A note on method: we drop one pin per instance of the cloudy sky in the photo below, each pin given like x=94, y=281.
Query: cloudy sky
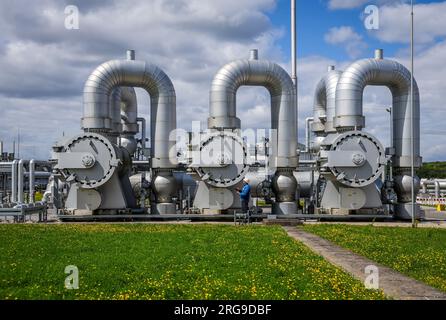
x=43, y=65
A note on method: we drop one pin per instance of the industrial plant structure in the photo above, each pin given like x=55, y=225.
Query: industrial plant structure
x=105, y=170
x=346, y=171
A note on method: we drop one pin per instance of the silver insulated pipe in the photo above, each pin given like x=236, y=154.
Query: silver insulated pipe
x=325, y=102
x=381, y=72
x=277, y=81
x=21, y=182
x=349, y=116
x=129, y=111
x=14, y=179
x=125, y=112
x=129, y=73
x=32, y=178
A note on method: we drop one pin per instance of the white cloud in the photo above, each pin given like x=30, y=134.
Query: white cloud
x=345, y=36
x=352, y=4
x=346, y=4
x=430, y=23
x=44, y=66
x=429, y=73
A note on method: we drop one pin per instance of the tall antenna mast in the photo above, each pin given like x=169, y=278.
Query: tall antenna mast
x=293, y=43
x=294, y=50
x=412, y=142
x=18, y=143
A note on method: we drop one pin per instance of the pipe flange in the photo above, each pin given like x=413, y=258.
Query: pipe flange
x=368, y=156
x=223, y=157
x=99, y=167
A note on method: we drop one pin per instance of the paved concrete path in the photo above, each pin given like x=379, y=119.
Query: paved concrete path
x=392, y=283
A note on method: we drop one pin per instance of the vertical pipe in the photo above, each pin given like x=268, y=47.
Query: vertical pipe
x=254, y=54
x=181, y=201
x=143, y=133
x=307, y=133
x=20, y=180
x=392, y=145
x=32, y=170
x=437, y=189
x=15, y=165
x=131, y=55
x=412, y=157
x=379, y=54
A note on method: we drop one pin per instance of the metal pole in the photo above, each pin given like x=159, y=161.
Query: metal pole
x=412, y=114
x=294, y=50
x=293, y=42
x=18, y=143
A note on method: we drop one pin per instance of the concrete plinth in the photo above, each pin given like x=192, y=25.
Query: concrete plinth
x=163, y=208
x=284, y=208
x=403, y=211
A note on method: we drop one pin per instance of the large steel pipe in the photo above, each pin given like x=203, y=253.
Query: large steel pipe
x=125, y=111
x=129, y=73
x=14, y=175
x=97, y=116
x=324, y=106
x=325, y=102
x=32, y=178
x=20, y=182
x=276, y=80
x=381, y=72
x=349, y=116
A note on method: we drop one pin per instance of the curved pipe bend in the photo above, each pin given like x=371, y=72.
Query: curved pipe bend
x=381, y=72
x=129, y=73
x=283, y=103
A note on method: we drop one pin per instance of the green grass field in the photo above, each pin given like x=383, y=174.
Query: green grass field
x=419, y=253
x=144, y=261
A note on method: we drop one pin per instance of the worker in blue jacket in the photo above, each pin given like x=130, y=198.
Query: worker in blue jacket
x=245, y=195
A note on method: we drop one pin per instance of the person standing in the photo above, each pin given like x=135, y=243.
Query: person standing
x=245, y=195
